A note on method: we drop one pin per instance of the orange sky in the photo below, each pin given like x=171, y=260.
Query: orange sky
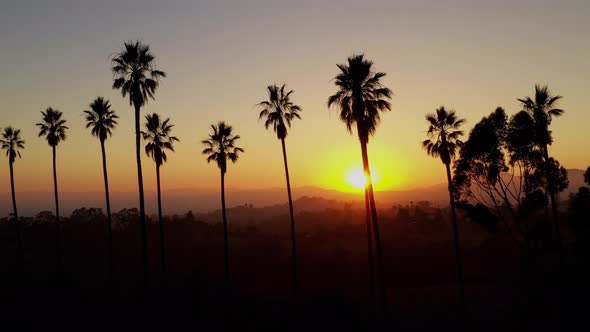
x=471, y=56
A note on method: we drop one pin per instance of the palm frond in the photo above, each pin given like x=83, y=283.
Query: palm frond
x=361, y=97
x=220, y=146
x=443, y=134
x=158, y=138
x=278, y=110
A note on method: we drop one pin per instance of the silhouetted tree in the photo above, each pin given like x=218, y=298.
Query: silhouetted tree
x=443, y=142
x=499, y=168
x=219, y=147
x=552, y=175
x=102, y=120
x=579, y=209
x=495, y=172
x=135, y=74
x=542, y=109
x=360, y=99
x=53, y=128
x=88, y=215
x=278, y=112
x=12, y=142
x=158, y=140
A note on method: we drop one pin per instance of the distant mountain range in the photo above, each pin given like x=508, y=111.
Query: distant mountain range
x=180, y=201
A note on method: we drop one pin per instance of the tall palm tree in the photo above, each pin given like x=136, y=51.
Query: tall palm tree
x=219, y=147
x=279, y=111
x=158, y=140
x=12, y=142
x=360, y=99
x=542, y=109
x=101, y=120
x=135, y=74
x=443, y=142
x=53, y=128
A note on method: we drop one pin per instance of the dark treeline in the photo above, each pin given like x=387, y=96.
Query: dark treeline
x=503, y=286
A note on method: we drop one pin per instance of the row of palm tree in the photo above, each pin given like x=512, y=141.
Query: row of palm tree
x=360, y=99
x=102, y=120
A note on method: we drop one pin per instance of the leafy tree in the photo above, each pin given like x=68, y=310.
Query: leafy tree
x=101, y=120
x=219, y=148
x=443, y=142
x=484, y=176
x=158, y=140
x=500, y=168
x=135, y=74
x=278, y=112
x=54, y=128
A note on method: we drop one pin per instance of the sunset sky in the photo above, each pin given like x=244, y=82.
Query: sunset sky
x=469, y=55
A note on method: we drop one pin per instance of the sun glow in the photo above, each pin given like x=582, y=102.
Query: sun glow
x=357, y=179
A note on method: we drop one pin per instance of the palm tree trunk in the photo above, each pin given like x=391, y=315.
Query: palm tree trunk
x=293, y=234
x=553, y=201
x=19, y=242
x=108, y=202
x=58, y=244
x=225, y=237
x=458, y=257
x=370, y=257
x=375, y=222
x=161, y=223
x=142, y=221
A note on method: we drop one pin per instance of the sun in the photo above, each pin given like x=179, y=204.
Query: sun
x=357, y=179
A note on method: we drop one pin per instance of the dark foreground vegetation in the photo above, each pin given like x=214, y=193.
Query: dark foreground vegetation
x=506, y=286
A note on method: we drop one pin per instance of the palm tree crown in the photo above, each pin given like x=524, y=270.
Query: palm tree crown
x=278, y=110
x=11, y=141
x=361, y=96
x=53, y=127
x=220, y=146
x=158, y=138
x=100, y=118
x=542, y=109
x=443, y=134
x=135, y=73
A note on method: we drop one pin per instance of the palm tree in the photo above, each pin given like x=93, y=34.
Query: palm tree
x=102, y=120
x=53, y=127
x=279, y=111
x=443, y=142
x=12, y=142
x=542, y=109
x=135, y=74
x=219, y=147
x=360, y=99
x=157, y=136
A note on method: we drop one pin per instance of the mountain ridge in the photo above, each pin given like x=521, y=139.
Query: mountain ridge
x=181, y=200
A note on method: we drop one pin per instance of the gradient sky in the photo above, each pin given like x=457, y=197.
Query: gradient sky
x=471, y=56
